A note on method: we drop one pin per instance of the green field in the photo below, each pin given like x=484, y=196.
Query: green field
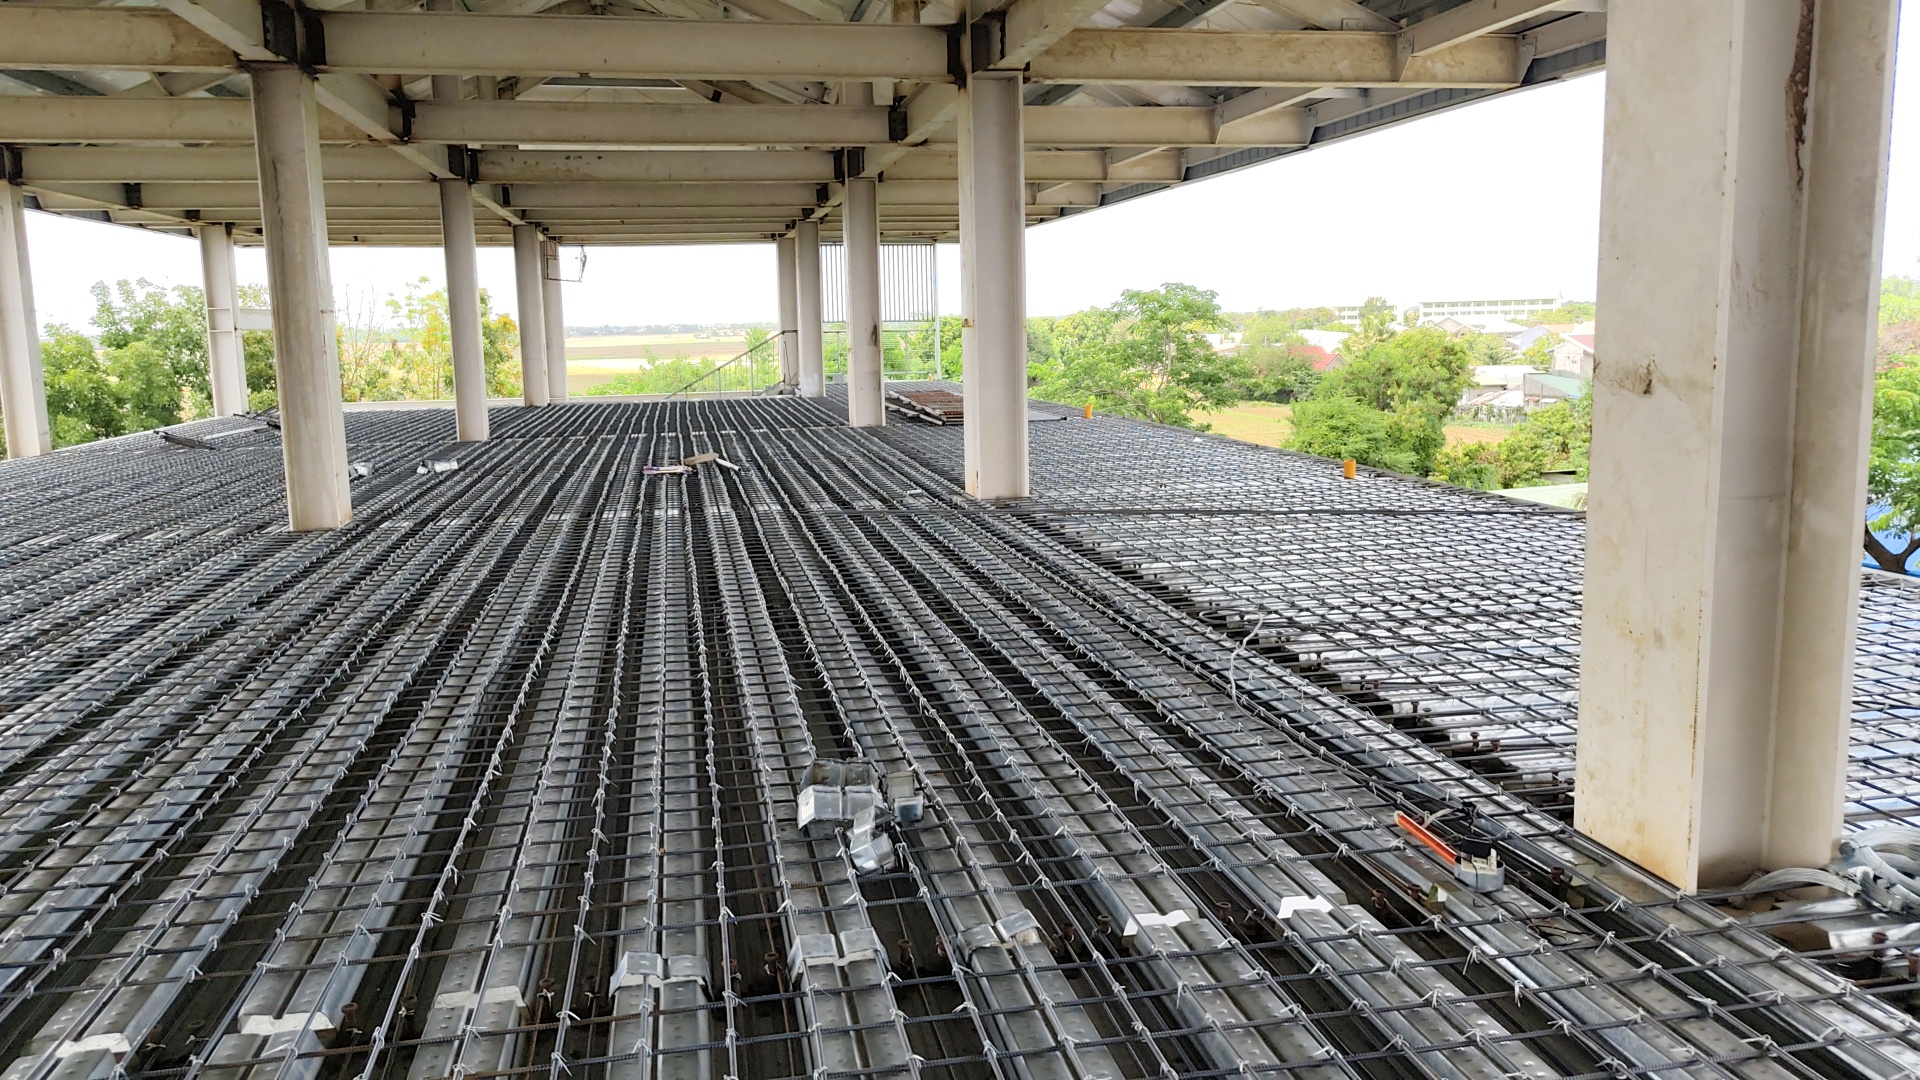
x=594, y=360
x=1268, y=424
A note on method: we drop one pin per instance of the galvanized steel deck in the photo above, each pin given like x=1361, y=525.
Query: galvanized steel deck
x=419, y=798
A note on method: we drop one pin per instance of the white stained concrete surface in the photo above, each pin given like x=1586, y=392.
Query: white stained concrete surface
x=23, y=390
x=806, y=255
x=313, y=435
x=1739, y=266
x=994, y=285
x=530, y=293
x=789, y=345
x=463, y=311
x=226, y=359
x=866, y=402
x=554, y=319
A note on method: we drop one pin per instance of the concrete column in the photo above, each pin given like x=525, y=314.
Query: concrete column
x=226, y=361
x=555, y=321
x=866, y=403
x=313, y=436
x=806, y=279
x=532, y=298
x=789, y=344
x=23, y=388
x=993, y=261
x=463, y=312
x=1738, y=291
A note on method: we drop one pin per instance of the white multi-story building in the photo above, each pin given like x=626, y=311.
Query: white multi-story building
x=1464, y=310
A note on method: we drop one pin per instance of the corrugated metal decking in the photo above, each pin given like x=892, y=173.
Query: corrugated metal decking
x=504, y=778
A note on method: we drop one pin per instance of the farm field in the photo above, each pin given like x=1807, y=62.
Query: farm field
x=665, y=346
x=1269, y=424
x=603, y=358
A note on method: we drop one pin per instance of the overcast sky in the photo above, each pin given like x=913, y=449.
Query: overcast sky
x=1497, y=199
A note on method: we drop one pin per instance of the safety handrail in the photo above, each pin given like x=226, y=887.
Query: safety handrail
x=715, y=371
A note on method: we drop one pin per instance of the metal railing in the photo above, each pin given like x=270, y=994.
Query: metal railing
x=748, y=379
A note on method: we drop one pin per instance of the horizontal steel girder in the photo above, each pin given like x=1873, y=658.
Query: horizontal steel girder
x=449, y=43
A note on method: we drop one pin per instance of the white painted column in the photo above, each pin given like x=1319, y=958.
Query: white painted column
x=993, y=261
x=463, y=312
x=313, y=436
x=1738, y=291
x=532, y=298
x=555, y=321
x=806, y=265
x=226, y=360
x=866, y=403
x=23, y=388
x=789, y=343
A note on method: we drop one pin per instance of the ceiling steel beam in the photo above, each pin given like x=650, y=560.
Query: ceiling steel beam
x=547, y=196
x=1469, y=21
x=430, y=43
x=670, y=166
x=128, y=40
x=1031, y=27
x=153, y=165
x=237, y=26
x=451, y=43
x=604, y=124
x=58, y=165
x=143, y=120
x=1303, y=59
x=601, y=123
x=1332, y=14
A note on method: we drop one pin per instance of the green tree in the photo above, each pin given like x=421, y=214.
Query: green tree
x=1279, y=365
x=82, y=402
x=1470, y=465
x=1573, y=311
x=1539, y=355
x=409, y=354
x=1376, y=324
x=1146, y=355
x=146, y=385
x=1899, y=300
x=1278, y=373
x=1893, y=465
x=1487, y=348
x=1553, y=439
x=256, y=347
x=1338, y=427
x=1413, y=378
x=918, y=345
x=171, y=322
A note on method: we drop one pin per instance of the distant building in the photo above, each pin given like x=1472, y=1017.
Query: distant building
x=1326, y=340
x=1485, y=325
x=1467, y=310
x=1494, y=324
x=1574, y=355
x=1321, y=358
x=1545, y=388
x=1503, y=376
x=1226, y=342
x=1524, y=340
x=1496, y=392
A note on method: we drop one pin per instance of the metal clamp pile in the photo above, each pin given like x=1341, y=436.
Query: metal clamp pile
x=849, y=795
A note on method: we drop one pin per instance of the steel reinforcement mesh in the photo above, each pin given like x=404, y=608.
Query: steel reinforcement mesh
x=506, y=777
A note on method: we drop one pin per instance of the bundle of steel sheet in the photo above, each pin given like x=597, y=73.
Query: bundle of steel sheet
x=548, y=765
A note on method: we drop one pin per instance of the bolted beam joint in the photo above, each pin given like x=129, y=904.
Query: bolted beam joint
x=294, y=32
x=987, y=41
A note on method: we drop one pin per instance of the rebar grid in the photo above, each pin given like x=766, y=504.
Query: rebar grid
x=419, y=797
